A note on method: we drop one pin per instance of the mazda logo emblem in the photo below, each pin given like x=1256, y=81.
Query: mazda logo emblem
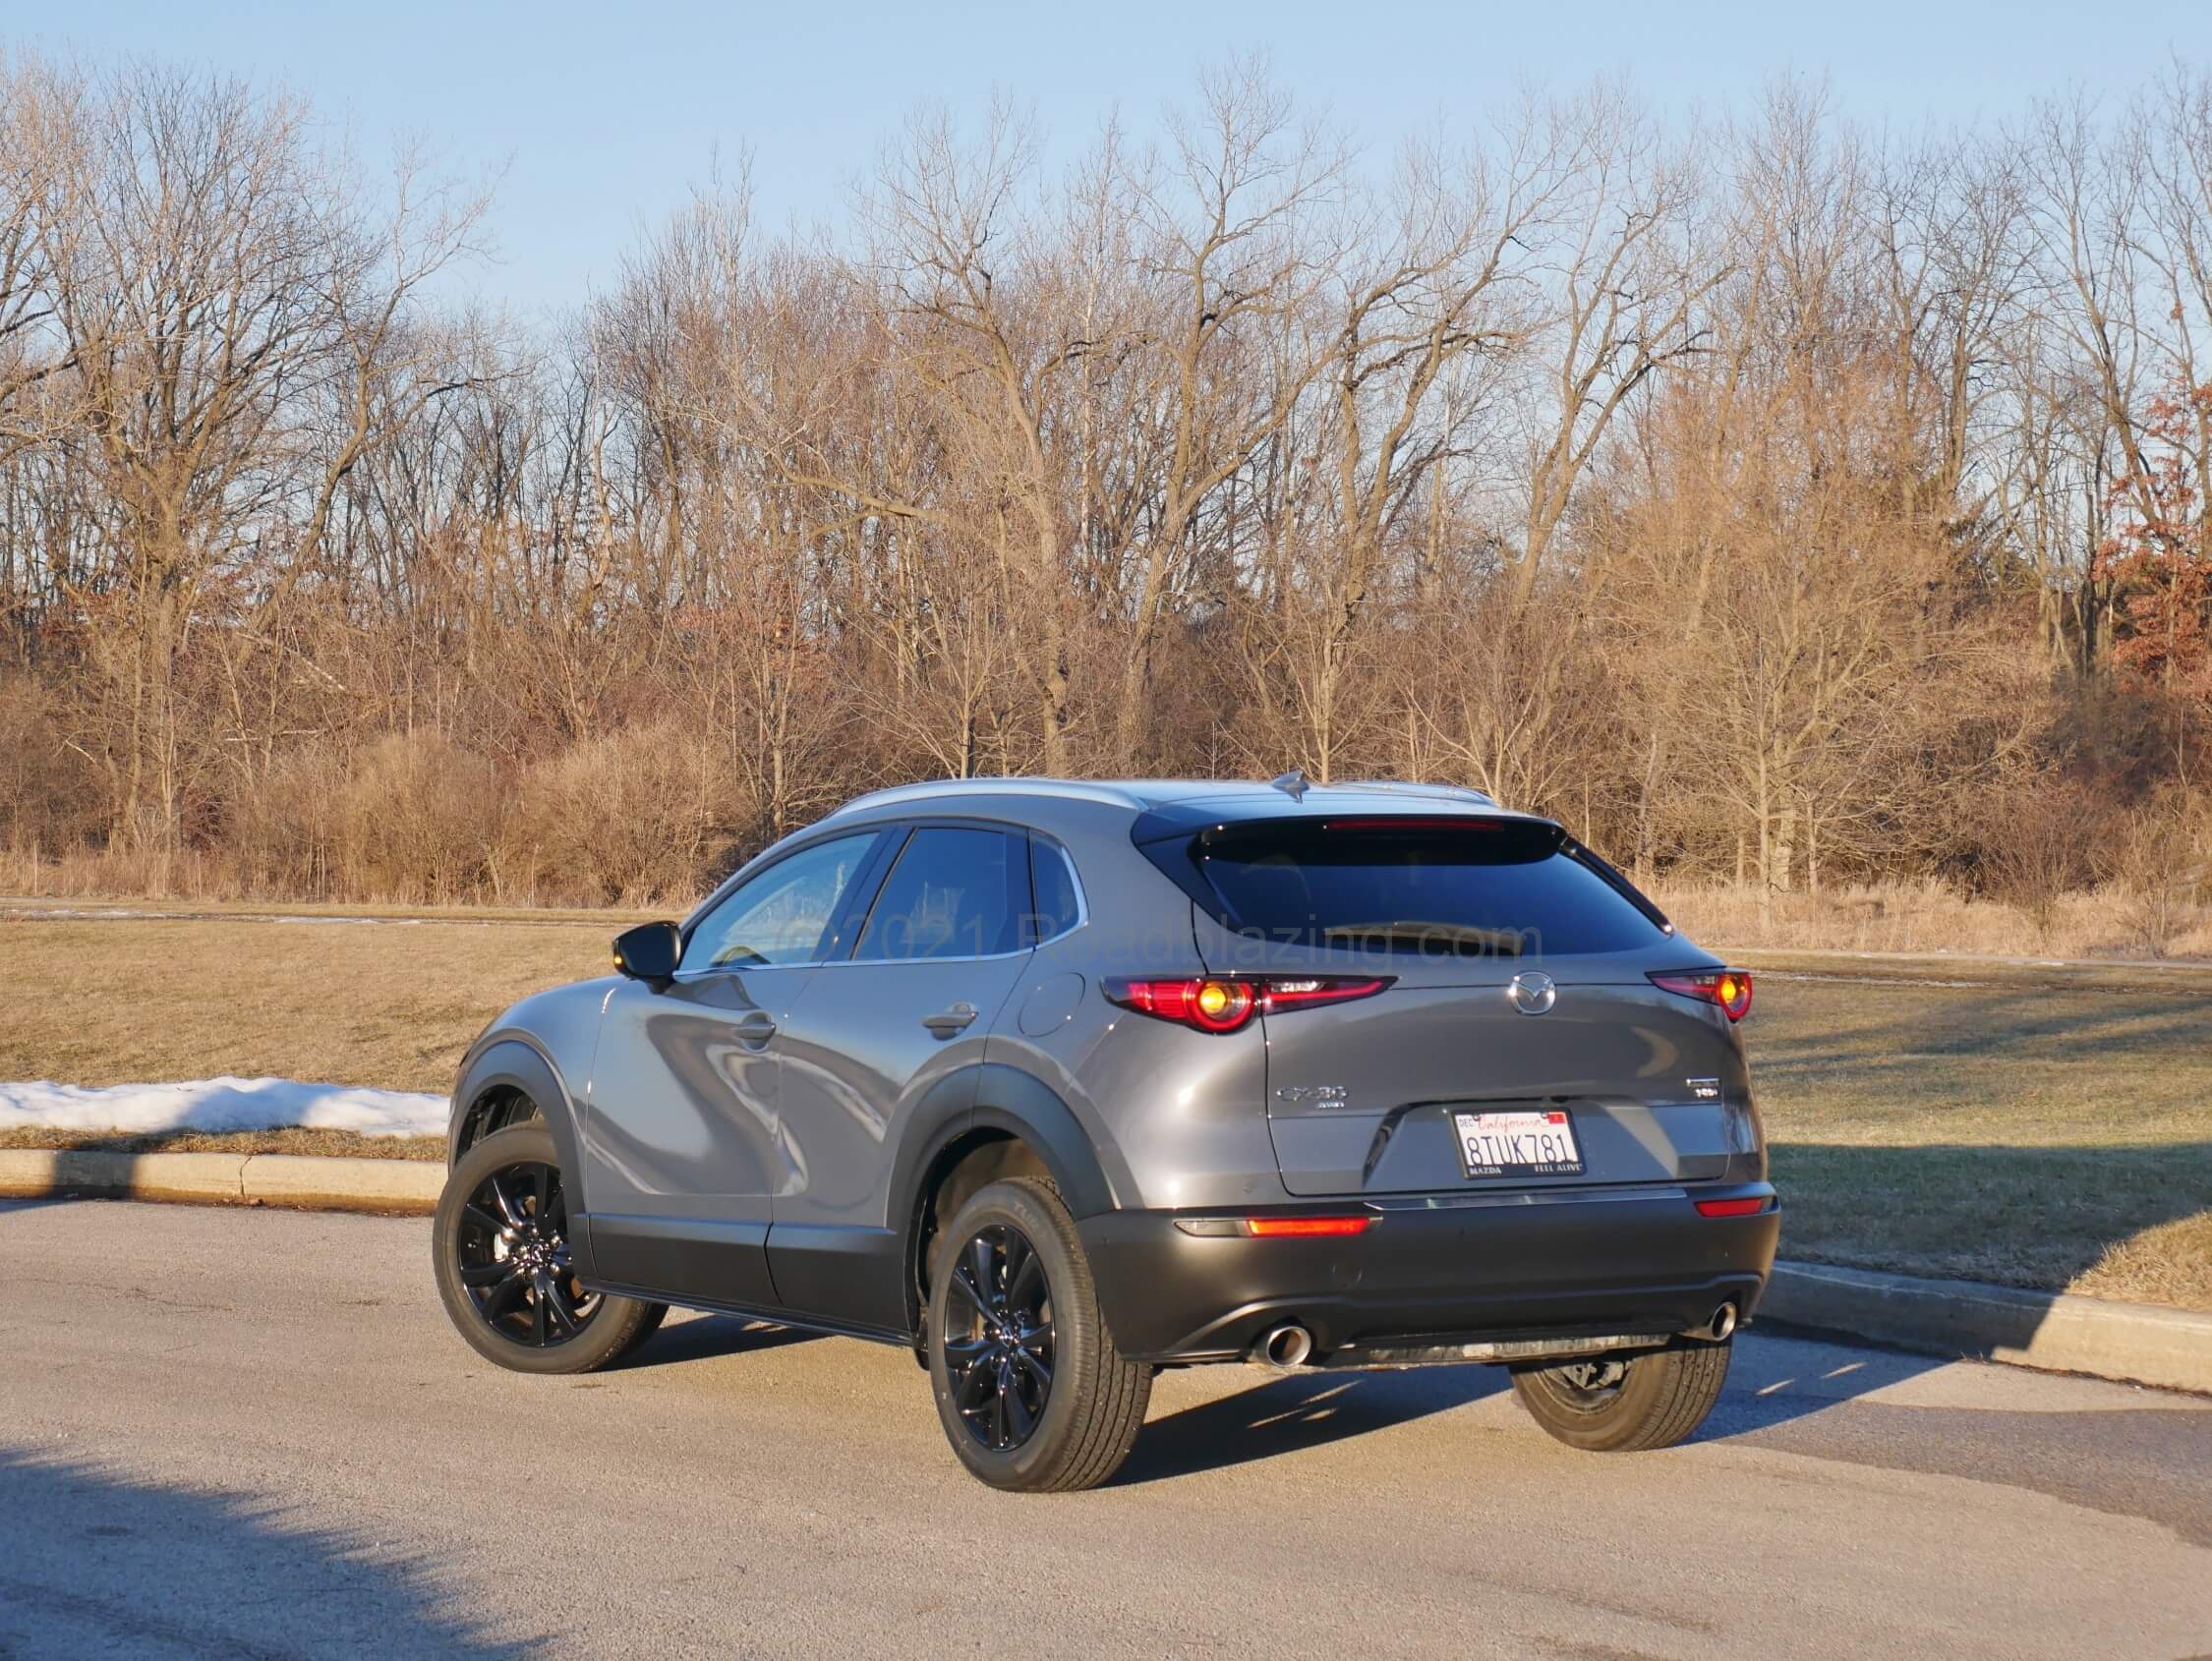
x=1533, y=994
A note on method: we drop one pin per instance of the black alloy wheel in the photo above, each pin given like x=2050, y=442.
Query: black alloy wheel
x=503, y=1250
x=513, y=1251
x=1587, y=1386
x=1035, y=1395
x=1000, y=1345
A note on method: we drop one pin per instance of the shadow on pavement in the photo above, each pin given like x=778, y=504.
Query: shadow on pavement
x=1785, y=1394
x=706, y=1337
x=1287, y=1414
x=2125, y=1452
x=94, y=1562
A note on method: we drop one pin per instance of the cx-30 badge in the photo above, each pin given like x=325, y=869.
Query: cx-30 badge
x=1533, y=994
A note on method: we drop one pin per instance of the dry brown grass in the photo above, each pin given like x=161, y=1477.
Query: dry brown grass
x=2169, y=1264
x=385, y=1004
x=2038, y=1128
x=103, y=907
x=330, y=1144
x=1921, y=917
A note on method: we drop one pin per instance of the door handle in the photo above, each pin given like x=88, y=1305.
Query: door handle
x=755, y=1029
x=950, y=1022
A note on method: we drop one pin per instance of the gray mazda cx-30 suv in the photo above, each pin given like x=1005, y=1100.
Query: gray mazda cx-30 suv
x=1058, y=1083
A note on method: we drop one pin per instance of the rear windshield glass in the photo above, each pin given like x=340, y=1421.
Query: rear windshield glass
x=1478, y=888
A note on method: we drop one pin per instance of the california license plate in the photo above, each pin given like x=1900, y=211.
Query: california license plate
x=1518, y=1144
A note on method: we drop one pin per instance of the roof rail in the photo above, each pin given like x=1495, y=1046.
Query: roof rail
x=1067, y=789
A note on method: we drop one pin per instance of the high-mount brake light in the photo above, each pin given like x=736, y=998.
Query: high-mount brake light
x=1729, y=988
x=1404, y=822
x=1220, y=1003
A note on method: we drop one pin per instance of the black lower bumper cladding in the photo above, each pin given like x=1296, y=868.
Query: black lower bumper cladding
x=1433, y=1276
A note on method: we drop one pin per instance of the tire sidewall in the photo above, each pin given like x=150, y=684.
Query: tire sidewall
x=1076, y=1336
x=1624, y=1422
x=612, y=1326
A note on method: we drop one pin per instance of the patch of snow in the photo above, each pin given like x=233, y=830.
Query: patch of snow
x=221, y=1104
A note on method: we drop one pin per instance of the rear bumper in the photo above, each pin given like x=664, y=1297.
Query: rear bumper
x=1437, y=1267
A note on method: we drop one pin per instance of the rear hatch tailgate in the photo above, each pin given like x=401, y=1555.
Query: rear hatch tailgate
x=1421, y=1089
x=1519, y=1041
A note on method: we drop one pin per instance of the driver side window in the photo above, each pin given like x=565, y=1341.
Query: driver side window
x=781, y=915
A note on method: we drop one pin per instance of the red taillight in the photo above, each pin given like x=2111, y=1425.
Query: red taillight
x=1306, y=1228
x=1213, y=1003
x=1288, y=992
x=1731, y=1207
x=1210, y=1006
x=1730, y=989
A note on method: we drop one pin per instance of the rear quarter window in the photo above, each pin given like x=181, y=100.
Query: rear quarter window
x=1056, y=902
x=1478, y=888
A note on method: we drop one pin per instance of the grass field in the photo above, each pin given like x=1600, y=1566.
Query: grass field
x=2042, y=1126
x=391, y=1004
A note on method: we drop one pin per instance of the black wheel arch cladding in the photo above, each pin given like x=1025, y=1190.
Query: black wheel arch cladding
x=991, y=1097
x=511, y=1062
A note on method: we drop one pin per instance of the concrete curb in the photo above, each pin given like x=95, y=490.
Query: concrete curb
x=406, y=1187
x=2060, y=1332
x=2140, y=1343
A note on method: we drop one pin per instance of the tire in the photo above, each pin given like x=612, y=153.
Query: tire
x=1658, y=1399
x=501, y=1273
x=1077, y=1430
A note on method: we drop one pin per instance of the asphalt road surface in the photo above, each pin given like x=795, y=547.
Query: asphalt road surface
x=246, y=1433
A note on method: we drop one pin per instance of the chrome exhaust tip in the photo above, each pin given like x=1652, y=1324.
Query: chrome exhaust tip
x=1286, y=1345
x=1723, y=1321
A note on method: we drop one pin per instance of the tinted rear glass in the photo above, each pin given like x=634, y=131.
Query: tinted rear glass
x=1053, y=883
x=952, y=895
x=1482, y=888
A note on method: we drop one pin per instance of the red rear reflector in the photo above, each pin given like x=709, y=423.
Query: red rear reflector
x=1731, y=1207
x=1276, y=1228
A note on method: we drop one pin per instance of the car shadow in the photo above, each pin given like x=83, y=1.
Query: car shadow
x=1780, y=1372
x=1775, y=1376
x=708, y=1338
x=1297, y=1412
x=96, y=1561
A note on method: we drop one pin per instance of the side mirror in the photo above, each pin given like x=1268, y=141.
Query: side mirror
x=650, y=951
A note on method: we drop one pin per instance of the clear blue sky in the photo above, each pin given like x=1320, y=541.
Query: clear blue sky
x=603, y=115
